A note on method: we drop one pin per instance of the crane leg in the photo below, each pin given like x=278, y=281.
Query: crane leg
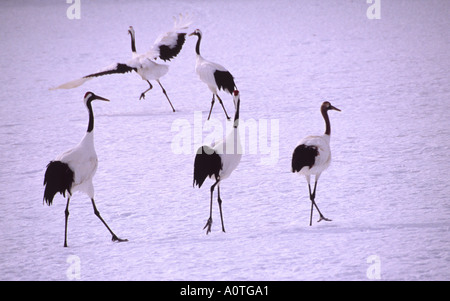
x=209, y=222
x=220, y=100
x=312, y=197
x=212, y=104
x=164, y=91
x=219, y=200
x=114, y=236
x=143, y=93
x=66, y=213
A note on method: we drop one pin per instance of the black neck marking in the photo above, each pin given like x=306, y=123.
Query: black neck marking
x=133, y=43
x=197, y=47
x=236, y=115
x=91, y=116
x=327, y=121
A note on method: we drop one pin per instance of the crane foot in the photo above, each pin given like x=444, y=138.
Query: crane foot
x=323, y=218
x=208, y=225
x=115, y=238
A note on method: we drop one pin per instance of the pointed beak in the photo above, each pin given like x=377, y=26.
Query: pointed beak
x=192, y=33
x=101, y=98
x=334, y=108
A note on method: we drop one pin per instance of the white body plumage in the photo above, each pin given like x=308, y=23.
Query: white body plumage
x=83, y=161
x=205, y=70
x=322, y=160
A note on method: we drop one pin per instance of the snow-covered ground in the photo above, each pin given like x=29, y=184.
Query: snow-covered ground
x=386, y=190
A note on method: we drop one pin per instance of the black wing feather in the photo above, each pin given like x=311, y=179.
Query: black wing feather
x=58, y=178
x=166, y=53
x=207, y=163
x=304, y=155
x=225, y=81
x=120, y=69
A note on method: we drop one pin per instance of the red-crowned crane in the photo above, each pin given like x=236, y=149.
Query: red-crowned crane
x=313, y=155
x=215, y=76
x=166, y=47
x=219, y=162
x=74, y=169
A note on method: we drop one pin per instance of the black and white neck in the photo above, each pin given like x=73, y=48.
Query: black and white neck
x=326, y=106
x=237, y=103
x=133, y=42
x=197, y=33
x=91, y=116
x=88, y=98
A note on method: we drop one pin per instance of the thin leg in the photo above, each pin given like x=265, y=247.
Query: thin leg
x=114, y=236
x=220, y=100
x=212, y=104
x=312, y=204
x=66, y=212
x=312, y=197
x=164, y=91
x=143, y=93
x=219, y=200
x=209, y=222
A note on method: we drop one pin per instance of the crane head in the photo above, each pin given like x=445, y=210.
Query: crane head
x=131, y=31
x=196, y=32
x=90, y=96
x=326, y=106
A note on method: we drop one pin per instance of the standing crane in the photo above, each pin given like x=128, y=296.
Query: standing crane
x=166, y=47
x=74, y=169
x=219, y=162
x=313, y=155
x=215, y=76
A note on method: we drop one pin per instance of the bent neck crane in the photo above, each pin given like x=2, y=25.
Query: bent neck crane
x=313, y=155
x=166, y=47
x=215, y=76
x=74, y=169
x=219, y=162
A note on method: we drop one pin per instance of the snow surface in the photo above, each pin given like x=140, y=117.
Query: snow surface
x=386, y=190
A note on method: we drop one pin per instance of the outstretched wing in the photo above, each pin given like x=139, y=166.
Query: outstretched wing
x=168, y=45
x=207, y=163
x=117, y=68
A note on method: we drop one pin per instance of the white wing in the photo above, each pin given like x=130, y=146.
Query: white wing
x=168, y=45
x=82, y=159
x=205, y=70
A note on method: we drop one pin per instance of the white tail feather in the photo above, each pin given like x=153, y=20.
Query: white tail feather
x=72, y=84
x=183, y=22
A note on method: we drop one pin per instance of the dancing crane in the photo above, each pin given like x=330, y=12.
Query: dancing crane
x=313, y=155
x=74, y=169
x=166, y=47
x=214, y=75
x=219, y=161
